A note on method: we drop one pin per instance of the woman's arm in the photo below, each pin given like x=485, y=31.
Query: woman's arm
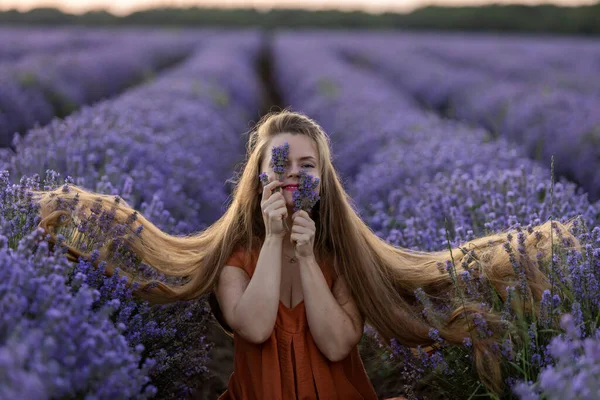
x=252, y=311
x=335, y=322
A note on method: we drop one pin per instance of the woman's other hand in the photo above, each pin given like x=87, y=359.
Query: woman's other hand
x=303, y=234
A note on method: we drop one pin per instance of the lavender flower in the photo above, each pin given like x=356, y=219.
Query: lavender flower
x=305, y=197
x=576, y=374
x=279, y=159
x=264, y=178
x=279, y=162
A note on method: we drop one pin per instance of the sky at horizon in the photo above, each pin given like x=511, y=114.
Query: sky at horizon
x=123, y=7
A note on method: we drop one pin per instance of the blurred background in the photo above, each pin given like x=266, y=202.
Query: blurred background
x=497, y=84
x=568, y=16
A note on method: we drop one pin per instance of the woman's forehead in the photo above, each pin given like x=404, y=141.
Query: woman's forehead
x=300, y=145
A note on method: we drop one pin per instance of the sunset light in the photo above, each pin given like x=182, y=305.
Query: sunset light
x=124, y=7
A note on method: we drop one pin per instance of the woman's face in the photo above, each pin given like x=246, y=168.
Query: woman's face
x=302, y=155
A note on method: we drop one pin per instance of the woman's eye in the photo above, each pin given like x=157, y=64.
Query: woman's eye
x=308, y=165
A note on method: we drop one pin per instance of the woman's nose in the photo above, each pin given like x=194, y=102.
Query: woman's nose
x=293, y=169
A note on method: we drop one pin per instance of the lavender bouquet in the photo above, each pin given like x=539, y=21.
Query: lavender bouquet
x=306, y=196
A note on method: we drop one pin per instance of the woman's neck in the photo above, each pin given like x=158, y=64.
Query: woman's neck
x=287, y=245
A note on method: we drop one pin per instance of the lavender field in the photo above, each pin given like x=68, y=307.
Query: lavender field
x=438, y=140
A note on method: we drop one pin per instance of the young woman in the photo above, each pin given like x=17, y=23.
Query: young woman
x=296, y=301
x=296, y=323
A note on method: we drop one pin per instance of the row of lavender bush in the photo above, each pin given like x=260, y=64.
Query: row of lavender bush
x=348, y=103
x=19, y=42
x=68, y=331
x=408, y=160
x=551, y=112
x=38, y=87
x=563, y=62
x=381, y=139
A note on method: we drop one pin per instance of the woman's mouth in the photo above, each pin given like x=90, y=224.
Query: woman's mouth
x=291, y=188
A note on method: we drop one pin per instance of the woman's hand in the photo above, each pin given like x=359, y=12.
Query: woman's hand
x=274, y=209
x=303, y=233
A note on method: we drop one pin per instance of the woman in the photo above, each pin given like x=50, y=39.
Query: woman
x=297, y=311
x=296, y=325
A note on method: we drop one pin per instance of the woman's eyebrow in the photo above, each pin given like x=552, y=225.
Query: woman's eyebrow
x=308, y=158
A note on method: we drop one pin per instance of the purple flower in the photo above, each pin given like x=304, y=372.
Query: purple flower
x=546, y=308
x=576, y=372
x=305, y=197
x=279, y=159
x=264, y=178
x=481, y=326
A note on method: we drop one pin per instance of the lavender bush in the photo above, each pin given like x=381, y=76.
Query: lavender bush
x=525, y=349
x=576, y=373
x=465, y=184
x=547, y=106
x=173, y=336
x=20, y=42
x=118, y=146
x=57, y=339
x=418, y=180
x=352, y=106
x=157, y=333
x=38, y=87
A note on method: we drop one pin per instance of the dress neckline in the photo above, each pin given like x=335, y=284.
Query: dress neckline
x=288, y=308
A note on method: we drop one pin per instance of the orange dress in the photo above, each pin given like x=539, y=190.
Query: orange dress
x=289, y=365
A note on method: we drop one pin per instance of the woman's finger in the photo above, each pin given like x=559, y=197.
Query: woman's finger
x=272, y=207
x=304, y=222
x=272, y=197
x=268, y=189
x=301, y=229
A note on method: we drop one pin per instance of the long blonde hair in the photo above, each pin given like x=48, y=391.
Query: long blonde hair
x=383, y=278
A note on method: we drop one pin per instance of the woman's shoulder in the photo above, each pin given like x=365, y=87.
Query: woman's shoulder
x=241, y=257
x=326, y=263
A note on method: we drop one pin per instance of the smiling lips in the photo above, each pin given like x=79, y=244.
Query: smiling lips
x=291, y=187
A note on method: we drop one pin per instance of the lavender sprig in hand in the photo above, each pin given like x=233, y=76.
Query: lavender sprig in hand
x=305, y=197
x=279, y=161
x=264, y=179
